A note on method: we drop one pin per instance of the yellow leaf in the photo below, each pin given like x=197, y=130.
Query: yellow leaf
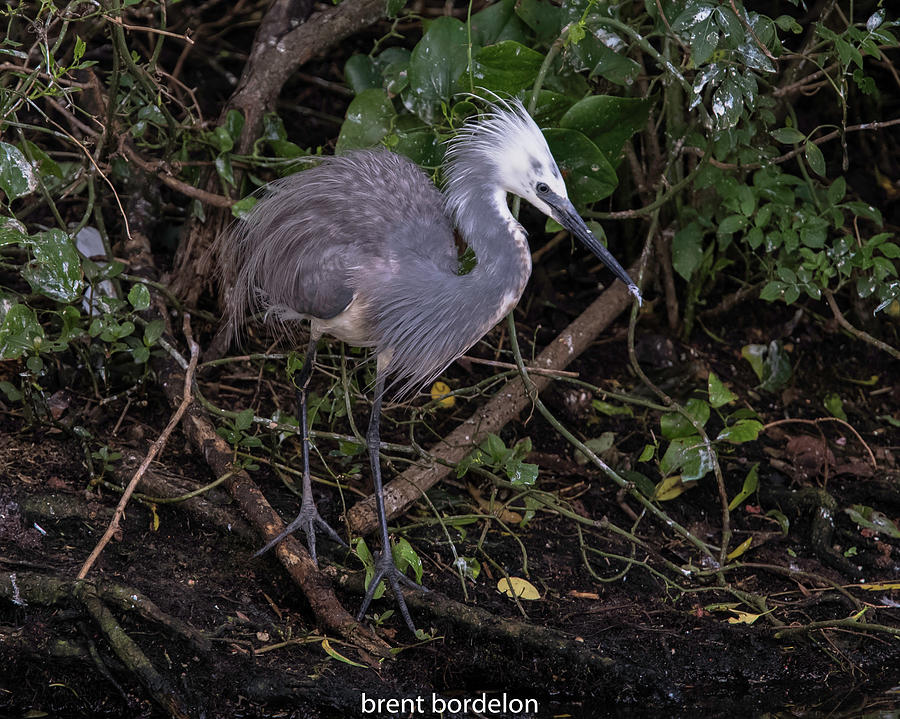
x=518, y=587
x=335, y=654
x=440, y=391
x=670, y=488
x=880, y=587
x=743, y=618
x=740, y=549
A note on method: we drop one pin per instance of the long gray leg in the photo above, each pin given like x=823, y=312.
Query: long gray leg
x=384, y=560
x=308, y=519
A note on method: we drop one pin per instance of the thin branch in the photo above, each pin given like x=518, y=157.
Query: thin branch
x=859, y=334
x=155, y=449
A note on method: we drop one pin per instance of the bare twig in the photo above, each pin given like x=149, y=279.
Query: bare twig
x=858, y=333
x=160, y=170
x=155, y=449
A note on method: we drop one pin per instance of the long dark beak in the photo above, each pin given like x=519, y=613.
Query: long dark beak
x=565, y=214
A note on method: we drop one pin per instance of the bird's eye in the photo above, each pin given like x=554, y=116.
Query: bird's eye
x=542, y=188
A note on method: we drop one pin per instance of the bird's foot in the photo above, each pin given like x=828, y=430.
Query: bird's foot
x=309, y=520
x=386, y=569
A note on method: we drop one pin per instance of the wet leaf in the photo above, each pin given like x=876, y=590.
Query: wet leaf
x=242, y=207
x=139, y=297
x=815, y=158
x=744, y=430
x=498, y=22
x=869, y=518
x=518, y=587
x=17, y=177
x=20, y=330
x=437, y=62
x=698, y=25
x=589, y=176
x=369, y=118
x=405, y=557
x=56, y=268
x=690, y=455
x=507, y=67
x=543, y=17
x=361, y=74
x=675, y=424
x=607, y=121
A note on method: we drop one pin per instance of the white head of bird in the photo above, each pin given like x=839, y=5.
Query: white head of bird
x=504, y=151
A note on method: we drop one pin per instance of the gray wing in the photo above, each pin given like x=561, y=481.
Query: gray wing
x=297, y=252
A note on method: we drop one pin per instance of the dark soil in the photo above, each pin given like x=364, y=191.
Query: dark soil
x=642, y=644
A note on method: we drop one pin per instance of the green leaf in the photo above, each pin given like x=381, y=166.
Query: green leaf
x=688, y=454
x=872, y=519
x=153, y=331
x=244, y=420
x=139, y=297
x=405, y=557
x=647, y=453
x=835, y=406
x=234, y=124
x=507, y=67
x=675, y=425
x=788, y=135
x=589, y=175
x=20, y=330
x=697, y=24
x=544, y=18
x=751, y=482
x=719, y=394
x=687, y=250
x=394, y=7
x=437, y=62
x=224, y=168
x=732, y=224
x=242, y=207
x=837, y=190
x=815, y=158
x=361, y=74
x=11, y=392
x=56, y=269
x=607, y=121
x=744, y=430
x=17, y=177
x=755, y=355
x=498, y=22
x=597, y=445
x=369, y=119
x=611, y=410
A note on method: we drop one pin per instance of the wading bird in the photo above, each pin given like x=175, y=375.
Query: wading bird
x=363, y=247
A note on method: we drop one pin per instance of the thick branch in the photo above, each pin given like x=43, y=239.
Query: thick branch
x=502, y=408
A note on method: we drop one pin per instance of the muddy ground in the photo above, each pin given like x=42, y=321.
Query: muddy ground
x=646, y=643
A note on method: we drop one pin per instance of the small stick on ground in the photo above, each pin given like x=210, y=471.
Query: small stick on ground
x=155, y=449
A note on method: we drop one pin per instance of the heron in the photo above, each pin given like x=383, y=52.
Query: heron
x=362, y=246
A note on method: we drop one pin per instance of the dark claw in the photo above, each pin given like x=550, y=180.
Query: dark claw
x=308, y=520
x=386, y=569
